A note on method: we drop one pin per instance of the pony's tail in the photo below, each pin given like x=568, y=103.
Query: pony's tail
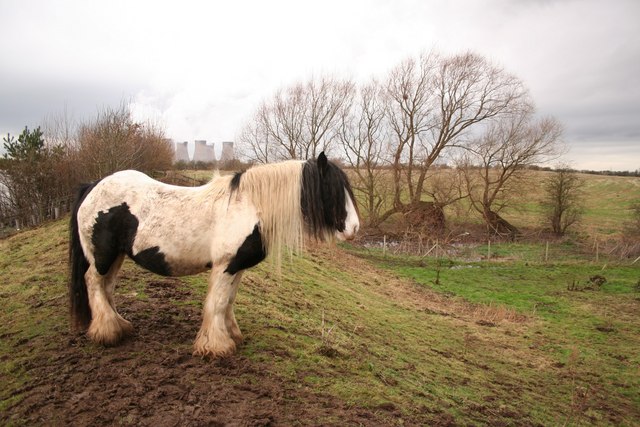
x=78, y=297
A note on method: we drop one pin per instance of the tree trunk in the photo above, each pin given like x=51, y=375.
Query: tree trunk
x=499, y=226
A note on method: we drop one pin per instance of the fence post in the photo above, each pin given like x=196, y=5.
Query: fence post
x=546, y=253
x=384, y=246
x=489, y=249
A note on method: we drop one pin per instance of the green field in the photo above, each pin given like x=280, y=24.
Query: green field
x=412, y=341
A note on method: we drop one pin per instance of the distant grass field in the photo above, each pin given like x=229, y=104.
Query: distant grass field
x=607, y=203
x=500, y=342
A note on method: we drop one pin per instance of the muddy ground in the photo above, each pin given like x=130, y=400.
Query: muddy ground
x=152, y=379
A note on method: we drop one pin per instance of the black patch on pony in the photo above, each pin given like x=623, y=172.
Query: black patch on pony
x=113, y=235
x=323, y=197
x=235, y=181
x=250, y=253
x=153, y=260
x=78, y=297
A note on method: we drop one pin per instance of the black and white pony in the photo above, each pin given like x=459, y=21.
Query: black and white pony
x=227, y=225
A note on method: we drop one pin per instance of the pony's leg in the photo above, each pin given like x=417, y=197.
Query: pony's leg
x=230, y=318
x=109, y=287
x=107, y=327
x=213, y=339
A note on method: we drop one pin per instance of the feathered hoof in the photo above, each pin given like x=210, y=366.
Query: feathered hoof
x=224, y=348
x=109, y=332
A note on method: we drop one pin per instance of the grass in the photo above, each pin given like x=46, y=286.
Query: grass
x=501, y=342
x=31, y=280
x=590, y=332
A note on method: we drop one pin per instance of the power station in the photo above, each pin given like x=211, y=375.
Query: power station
x=227, y=152
x=203, y=152
x=181, y=154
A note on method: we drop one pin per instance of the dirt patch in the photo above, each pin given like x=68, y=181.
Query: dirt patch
x=152, y=379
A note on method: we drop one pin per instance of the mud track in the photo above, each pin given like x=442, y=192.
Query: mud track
x=152, y=379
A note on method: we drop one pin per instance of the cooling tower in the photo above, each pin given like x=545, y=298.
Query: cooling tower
x=181, y=154
x=203, y=152
x=227, y=152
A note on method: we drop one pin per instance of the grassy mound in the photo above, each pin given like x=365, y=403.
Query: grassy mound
x=337, y=338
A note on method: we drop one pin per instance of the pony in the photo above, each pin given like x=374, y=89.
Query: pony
x=226, y=226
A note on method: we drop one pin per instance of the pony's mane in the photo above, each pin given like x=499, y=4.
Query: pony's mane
x=274, y=189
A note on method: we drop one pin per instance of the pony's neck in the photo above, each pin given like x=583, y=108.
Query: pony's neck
x=274, y=190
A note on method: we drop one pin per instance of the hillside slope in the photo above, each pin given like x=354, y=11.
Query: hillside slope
x=332, y=341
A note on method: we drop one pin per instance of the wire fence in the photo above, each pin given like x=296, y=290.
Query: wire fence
x=14, y=220
x=467, y=248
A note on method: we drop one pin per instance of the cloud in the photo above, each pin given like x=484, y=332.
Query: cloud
x=28, y=102
x=605, y=155
x=202, y=67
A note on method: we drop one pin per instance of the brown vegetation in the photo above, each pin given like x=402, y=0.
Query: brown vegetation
x=41, y=169
x=114, y=141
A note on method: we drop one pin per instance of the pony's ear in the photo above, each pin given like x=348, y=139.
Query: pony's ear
x=323, y=162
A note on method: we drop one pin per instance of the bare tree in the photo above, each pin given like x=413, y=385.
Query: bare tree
x=494, y=161
x=363, y=135
x=433, y=104
x=61, y=137
x=410, y=107
x=255, y=142
x=425, y=109
x=326, y=97
x=298, y=122
x=284, y=122
x=562, y=201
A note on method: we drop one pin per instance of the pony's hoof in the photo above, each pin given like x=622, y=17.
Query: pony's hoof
x=109, y=333
x=106, y=338
x=215, y=352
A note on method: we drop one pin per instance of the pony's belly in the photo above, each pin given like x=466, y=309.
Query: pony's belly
x=154, y=260
x=171, y=264
x=168, y=257
x=189, y=270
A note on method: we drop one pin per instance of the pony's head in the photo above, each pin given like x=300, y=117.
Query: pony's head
x=327, y=202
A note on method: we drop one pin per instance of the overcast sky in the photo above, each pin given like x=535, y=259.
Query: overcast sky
x=201, y=68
